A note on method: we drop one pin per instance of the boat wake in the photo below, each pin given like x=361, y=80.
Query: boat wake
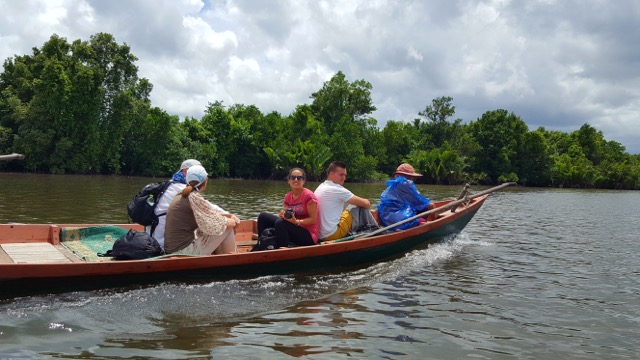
x=204, y=303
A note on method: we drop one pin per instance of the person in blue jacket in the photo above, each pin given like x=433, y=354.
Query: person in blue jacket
x=401, y=199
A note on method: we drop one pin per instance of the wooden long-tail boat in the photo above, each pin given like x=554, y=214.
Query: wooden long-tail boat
x=38, y=258
x=12, y=156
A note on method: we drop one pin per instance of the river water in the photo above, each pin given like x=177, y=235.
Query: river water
x=537, y=274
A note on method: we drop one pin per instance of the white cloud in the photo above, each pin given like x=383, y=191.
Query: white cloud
x=202, y=36
x=555, y=64
x=243, y=71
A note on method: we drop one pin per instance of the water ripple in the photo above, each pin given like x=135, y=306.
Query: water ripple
x=537, y=274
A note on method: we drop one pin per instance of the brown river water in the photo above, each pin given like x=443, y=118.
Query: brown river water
x=537, y=274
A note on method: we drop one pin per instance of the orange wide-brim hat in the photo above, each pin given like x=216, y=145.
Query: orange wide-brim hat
x=406, y=169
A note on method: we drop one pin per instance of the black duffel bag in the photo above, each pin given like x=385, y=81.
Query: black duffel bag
x=267, y=240
x=135, y=245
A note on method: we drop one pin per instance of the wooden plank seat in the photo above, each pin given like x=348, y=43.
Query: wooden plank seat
x=35, y=252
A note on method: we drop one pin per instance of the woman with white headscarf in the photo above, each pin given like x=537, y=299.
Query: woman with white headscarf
x=194, y=225
x=178, y=183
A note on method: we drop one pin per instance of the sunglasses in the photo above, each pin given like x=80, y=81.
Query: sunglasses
x=294, y=177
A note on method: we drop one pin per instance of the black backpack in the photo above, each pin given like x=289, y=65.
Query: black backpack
x=141, y=209
x=134, y=245
x=267, y=240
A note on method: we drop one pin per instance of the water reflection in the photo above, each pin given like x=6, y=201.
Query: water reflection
x=186, y=321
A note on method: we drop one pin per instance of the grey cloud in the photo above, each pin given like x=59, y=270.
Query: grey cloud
x=149, y=28
x=555, y=64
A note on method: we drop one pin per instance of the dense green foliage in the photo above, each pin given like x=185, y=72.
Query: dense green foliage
x=80, y=108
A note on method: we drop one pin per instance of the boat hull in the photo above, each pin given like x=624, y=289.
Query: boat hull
x=28, y=278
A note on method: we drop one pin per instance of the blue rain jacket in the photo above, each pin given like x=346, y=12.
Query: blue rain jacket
x=399, y=201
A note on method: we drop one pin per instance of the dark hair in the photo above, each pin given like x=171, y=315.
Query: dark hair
x=299, y=169
x=190, y=187
x=334, y=165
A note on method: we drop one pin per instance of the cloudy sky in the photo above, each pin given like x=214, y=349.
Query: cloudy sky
x=555, y=63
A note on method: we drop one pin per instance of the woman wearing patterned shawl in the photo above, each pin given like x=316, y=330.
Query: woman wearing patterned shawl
x=194, y=225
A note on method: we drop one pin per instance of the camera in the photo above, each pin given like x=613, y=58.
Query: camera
x=288, y=213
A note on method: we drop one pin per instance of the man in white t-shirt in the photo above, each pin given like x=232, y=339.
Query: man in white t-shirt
x=178, y=183
x=333, y=198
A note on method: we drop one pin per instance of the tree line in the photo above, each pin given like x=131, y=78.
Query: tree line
x=80, y=108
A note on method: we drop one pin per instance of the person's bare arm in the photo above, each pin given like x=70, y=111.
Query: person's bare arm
x=358, y=201
x=312, y=210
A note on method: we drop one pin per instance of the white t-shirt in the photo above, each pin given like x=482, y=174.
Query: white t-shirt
x=332, y=200
x=162, y=207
